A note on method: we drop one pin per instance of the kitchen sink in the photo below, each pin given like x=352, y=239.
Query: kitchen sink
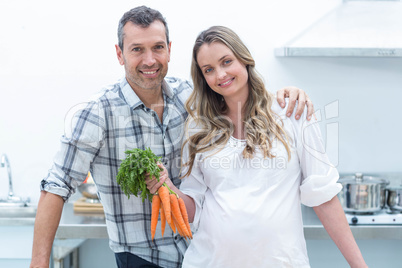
x=17, y=210
x=13, y=207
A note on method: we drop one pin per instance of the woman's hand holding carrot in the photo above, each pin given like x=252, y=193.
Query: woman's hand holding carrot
x=153, y=185
x=167, y=201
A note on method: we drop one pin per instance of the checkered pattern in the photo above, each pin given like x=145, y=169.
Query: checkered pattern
x=97, y=135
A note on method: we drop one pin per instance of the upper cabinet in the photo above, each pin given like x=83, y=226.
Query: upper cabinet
x=353, y=29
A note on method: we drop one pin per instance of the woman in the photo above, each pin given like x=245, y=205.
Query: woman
x=248, y=168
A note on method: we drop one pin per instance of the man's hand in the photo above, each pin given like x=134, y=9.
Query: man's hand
x=294, y=93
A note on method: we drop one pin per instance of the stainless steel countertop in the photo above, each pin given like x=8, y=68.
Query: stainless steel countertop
x=81, y=225
x=74, y=225
x=17, y=221
x=88, y=226
x=313, y=228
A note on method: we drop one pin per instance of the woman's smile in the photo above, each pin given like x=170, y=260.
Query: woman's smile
x=226, y=83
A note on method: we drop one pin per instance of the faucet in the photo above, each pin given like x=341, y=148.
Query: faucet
x=6, y=163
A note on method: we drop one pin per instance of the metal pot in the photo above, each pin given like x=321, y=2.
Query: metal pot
x=394, y=198
x=88, y=190
x=362, y=194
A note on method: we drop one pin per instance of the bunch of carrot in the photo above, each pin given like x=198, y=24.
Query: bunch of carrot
x=172, y=210
x=133, y=171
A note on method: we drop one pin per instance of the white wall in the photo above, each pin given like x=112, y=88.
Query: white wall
x=55, y=54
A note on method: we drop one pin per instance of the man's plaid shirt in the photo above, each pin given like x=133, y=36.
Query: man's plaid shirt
x=97, y=135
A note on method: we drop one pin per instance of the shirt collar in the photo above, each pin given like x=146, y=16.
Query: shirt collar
x=133, y=100
x=167, y=90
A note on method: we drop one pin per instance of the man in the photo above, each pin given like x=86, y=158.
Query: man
x=144, y=109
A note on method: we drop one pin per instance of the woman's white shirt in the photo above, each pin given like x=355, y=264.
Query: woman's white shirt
x=248, y=211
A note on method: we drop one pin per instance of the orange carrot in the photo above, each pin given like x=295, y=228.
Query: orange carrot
x=173, y=225
x=179, y=230
x=183, y=211
x=156, y=203
x=164, y=195
x=177, y=214
x=163, y=220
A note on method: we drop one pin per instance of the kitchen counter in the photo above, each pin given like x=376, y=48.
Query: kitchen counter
x=17, y=221
x=81, y=225
x=87, y=226
x=73, y=225
x=313, y=228
x=93, y=226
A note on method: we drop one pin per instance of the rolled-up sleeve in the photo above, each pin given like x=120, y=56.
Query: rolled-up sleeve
x=319, y=183
x=79, y=145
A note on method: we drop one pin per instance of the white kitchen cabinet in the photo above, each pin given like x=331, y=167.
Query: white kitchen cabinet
x=16, y=246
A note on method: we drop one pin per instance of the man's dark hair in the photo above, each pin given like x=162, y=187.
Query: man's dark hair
x=142, y=16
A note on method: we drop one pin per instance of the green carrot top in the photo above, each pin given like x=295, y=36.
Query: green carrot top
x=131, y=174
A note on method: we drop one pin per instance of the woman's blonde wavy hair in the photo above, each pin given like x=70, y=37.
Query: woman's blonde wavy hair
x=206, y=108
